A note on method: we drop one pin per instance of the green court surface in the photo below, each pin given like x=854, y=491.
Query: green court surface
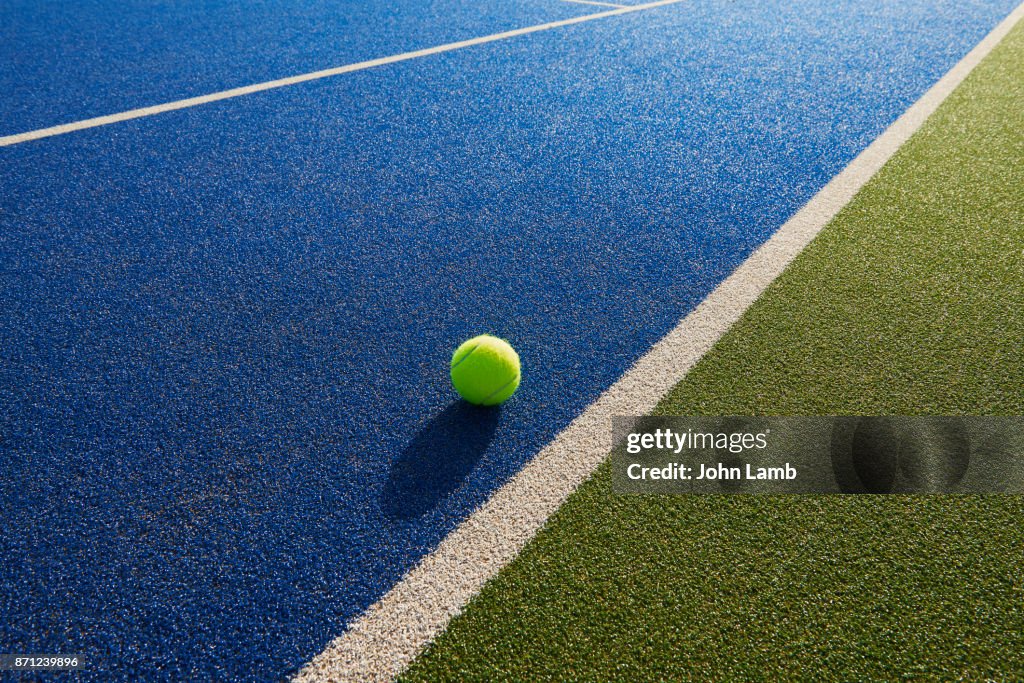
x=908, y=303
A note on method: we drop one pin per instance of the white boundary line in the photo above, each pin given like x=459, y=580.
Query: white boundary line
x=381, y=643
x=313, y=76
x=593, y=2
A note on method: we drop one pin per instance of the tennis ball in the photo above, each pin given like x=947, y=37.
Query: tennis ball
x=485, y=370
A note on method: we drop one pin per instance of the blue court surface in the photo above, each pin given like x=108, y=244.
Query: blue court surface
x=226, y=425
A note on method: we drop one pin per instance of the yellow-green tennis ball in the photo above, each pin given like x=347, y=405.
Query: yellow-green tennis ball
x=485, y=370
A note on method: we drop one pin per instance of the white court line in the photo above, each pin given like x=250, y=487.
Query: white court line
x=315, y=75
x=592, y=2
x=386, y=638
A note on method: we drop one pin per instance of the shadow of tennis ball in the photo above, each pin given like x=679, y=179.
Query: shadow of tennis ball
x=865, y=454
x=934, y=455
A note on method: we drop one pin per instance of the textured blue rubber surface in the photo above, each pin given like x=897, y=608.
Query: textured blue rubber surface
x=67, y=61
x=225, y=420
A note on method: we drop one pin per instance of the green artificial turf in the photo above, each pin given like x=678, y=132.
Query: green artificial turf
x=910, y=302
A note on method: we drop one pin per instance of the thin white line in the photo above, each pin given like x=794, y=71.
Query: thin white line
x=381, y=643
x=592, y=2
x=313, y=76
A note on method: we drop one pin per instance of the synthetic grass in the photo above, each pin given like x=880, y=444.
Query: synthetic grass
x=908, y=303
